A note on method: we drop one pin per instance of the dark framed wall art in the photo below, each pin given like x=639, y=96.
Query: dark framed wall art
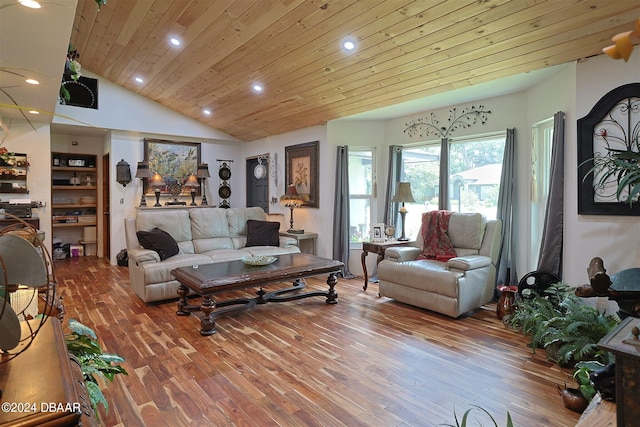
x=174, y=161
x=301, y=170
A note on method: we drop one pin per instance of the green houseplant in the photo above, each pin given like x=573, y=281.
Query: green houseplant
x=82, y=342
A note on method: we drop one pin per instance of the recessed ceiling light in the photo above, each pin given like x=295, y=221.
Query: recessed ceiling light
x=32, y=81
x=349, y=44
x=206, y=112
x=257, y=87
x=34, y=112
x=32, y=4
x=174, y=41
x=139, y=80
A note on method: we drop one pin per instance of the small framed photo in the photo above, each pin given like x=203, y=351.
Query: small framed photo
x=377, y=233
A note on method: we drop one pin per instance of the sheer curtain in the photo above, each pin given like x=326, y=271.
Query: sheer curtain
x=341, y=211
x=507, y=212
x=550, y=258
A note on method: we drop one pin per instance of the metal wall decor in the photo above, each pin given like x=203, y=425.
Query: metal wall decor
x=430, y=125
x=224, y=190
x=609, y=139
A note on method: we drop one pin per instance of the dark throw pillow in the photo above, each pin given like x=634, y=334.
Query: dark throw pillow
x=160, y=241
x=263, y=233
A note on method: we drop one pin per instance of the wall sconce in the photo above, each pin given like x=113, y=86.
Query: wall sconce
x=203, y=174
x=123, y=173
x=403, y=194
x=143, y=173
x=192, y=184
x=292, y=200
x=157, y=183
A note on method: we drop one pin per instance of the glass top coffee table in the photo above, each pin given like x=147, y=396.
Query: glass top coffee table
x=207, y=280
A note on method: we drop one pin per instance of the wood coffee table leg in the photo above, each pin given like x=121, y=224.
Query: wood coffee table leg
x=332, y=296
x=207, y=322
x=183, y=291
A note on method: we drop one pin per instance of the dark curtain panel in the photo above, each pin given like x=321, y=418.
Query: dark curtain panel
x=507, y=212
x=393, y=176
x=341, y=211
x=443, y=183
x=550, y=259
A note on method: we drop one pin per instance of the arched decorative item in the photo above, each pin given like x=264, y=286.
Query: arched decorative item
x=224, y=190
x=608, y=152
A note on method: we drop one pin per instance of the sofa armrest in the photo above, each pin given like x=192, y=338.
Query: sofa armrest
x=401, y=253
x=288, y=242
x=470, y=262
x=141, y=255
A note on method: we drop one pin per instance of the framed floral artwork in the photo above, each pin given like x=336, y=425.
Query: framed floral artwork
x=301, y=170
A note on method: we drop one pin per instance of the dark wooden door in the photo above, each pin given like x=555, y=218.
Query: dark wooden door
x=257, y=185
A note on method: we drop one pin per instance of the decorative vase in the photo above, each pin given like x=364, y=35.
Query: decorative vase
x=573, y=399
x=506, y=301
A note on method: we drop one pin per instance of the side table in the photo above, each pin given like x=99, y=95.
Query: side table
x=376, y=248
x=307, y=242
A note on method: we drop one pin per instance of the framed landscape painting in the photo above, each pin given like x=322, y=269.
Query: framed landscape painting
x=301, y=170
x=174, y=161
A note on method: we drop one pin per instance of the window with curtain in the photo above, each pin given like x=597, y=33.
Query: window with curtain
x=475, y=166
x=361, y=192
x=540, y=176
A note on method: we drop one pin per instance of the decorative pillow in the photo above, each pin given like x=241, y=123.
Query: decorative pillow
x=160, y=241
x=263, y=233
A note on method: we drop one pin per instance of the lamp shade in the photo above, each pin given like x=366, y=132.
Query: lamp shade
x=157, y=181
x=291, y=198
x=192, y=182
x=143, y=170
x=403, y=193
x=203, y=171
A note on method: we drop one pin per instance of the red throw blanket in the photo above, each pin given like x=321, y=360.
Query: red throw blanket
x=434, y=233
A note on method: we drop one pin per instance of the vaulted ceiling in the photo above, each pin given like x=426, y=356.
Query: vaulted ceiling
x=405, y=50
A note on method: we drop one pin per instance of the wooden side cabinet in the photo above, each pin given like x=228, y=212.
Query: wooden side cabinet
x=42, y=386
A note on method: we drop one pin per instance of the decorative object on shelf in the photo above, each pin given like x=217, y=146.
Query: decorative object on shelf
x=224, y=191
x=75, y=179
x=301, y=170
x=157, y=183
x=123, y=173
x=174, y=161
x=292, y=200
x=430, y=125
x=143, y=172
x=24, y=280
x=390, y=231
x=176, y=191
x=402, y=195
x=13, y=172
x=623, y=43
x=192, y=184
x=608, y=152
x=203, y=174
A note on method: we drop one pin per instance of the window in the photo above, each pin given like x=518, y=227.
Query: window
x=540, y=177
x=361, y=192
x=475, y=167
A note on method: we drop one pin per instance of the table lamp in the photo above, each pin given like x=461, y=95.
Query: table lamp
x=192, y=184
x=291, y=199
x=143, y=173
x=402, y=195
x=156, y=183
x=203, y=174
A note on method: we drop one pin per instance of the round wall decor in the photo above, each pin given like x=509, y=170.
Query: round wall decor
x=224, y=191
x=260, y=171
x=225, y=172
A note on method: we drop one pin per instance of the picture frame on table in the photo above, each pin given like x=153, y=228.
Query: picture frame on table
x=301, y=170
x=175, y=161
x=377, y=233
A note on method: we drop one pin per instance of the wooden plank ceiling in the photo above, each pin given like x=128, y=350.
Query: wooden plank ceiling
x=405, y=50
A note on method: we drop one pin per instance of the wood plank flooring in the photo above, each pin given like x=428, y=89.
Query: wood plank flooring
x=367, y=361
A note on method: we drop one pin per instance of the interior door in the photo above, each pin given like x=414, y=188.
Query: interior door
x=106, y=233
x=258, y=182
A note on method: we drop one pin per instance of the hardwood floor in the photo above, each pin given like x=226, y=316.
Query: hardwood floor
x=367, y=361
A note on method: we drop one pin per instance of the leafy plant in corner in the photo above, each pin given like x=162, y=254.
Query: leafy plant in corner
x=82, y=342
x=582, y=376
x=465, y=418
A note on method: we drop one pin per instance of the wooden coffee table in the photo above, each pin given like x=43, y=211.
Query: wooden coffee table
x=209, y=279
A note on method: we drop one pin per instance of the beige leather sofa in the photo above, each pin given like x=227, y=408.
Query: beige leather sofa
x=455, y=287
x=204, y=235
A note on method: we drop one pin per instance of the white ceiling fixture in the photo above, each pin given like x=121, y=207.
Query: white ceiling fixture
x=206, y=112
x=257, y=87
x=175, y=41
x=31, y=4
x=349, y=44
x=139, y=80
x=32, y=81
